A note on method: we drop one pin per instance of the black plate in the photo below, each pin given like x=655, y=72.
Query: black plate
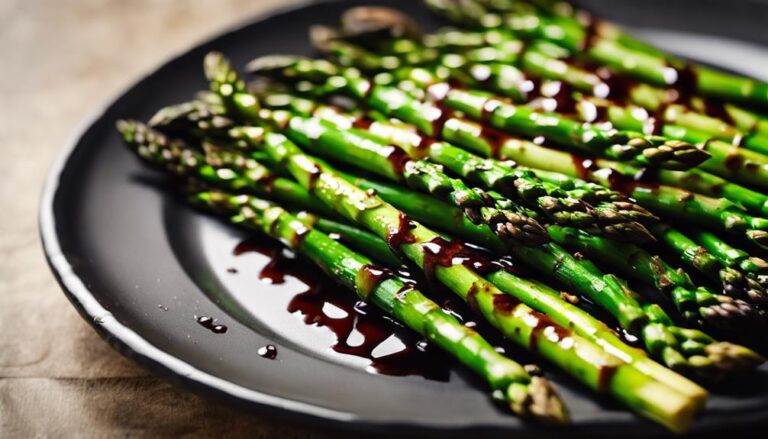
x=139, y=266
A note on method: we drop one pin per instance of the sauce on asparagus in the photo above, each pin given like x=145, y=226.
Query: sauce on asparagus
x=360, y=329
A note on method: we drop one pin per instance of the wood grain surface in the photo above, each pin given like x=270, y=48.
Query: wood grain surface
x=60, y=60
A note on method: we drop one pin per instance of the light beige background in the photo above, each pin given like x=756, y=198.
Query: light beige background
x=58, y=61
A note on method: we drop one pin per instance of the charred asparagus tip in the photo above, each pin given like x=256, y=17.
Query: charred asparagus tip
x=729, y=312
x=759, y=237
x=536, y=400
x=545, y=405
x=371, y=20
x=732, y=358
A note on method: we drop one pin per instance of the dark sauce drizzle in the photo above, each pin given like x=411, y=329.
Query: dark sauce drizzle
x=625, y=184
x=362, y=327
x=440, y=252
x=398, y=158
x=402, y=235
x=372, y=328
x=681, y=91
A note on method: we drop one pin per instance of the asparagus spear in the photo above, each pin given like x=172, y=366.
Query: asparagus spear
x=743, y=165
x=548, y=301
x=660, y=336
x=710, y=306
x=422, y=246
x=746, y=166
x=565, y=10
x=648, y=67
x=562, y=311
x=695, y=304
x=415, y=206
x=693, y=180
x=543, y=60
x=730, y=256
x=179, y=159
x=527, y=396
x=698, y=209
x=610, y=215
x=733, y=282
x=429, y=117
x=353, y=237
x=738, y=279
x=613, y=219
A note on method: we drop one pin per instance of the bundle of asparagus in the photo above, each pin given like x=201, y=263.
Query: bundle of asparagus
x=521, y=134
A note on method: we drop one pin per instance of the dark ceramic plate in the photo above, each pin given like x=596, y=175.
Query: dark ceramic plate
x=140, y=267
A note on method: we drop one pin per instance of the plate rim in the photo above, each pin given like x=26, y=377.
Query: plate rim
x=175, y=370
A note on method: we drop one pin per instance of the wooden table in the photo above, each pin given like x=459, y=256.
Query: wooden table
x=62, y=59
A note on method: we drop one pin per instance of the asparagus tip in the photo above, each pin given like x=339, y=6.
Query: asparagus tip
x=729, y=313
x=759, y=237
x=213, y=63
x=320, y=36
x=546, y=405
x=537, y=400
x=733, y=358
x=366, y=21
x=674, y=154
x=631, y=231
x=269, y=63
x=129, y=129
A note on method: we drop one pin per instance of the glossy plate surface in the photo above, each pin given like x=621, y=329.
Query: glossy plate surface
x=141, y=267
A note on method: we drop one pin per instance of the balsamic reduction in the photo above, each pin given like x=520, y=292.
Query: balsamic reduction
x=211, y=324
x=269, y=352
x=402, y=235
x=360, y=329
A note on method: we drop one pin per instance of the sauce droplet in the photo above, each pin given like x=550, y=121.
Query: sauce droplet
x=211, y=324
x=269, y=352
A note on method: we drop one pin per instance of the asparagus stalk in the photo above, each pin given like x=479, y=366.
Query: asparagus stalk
x=713, y=212
x=617, y=219
x=650, y=321
x=612, y=214
x=719, y=213
x=179, y=159
x=648, y=67
x=527, y=396
x=738, y=280
x=430, y=118
x=733, y=282
x=353, y=237
x=695, y=304
x=572, y=316
x=730, y=256
x=746, y=121
x=369, y=210
x=746, y=166
x=484, y=60
x=422, y=246
x=548, y=301
x=414, y=205
x=570, y=14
